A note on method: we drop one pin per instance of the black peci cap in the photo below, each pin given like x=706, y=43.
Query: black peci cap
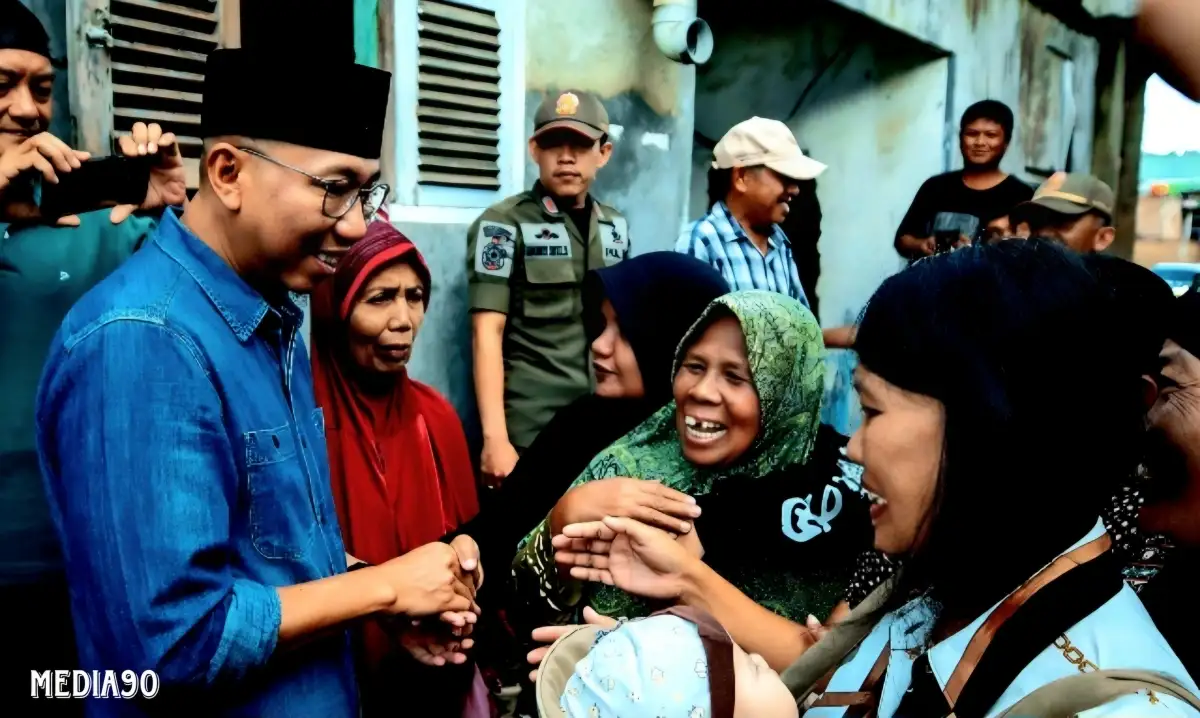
x=21, y=30
x=281, y=96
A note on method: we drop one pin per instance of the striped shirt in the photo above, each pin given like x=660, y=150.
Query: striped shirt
x=720, y=241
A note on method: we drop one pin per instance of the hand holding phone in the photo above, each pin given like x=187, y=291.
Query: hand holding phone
x=56, y=181
x=43, y=153
x=97, y=183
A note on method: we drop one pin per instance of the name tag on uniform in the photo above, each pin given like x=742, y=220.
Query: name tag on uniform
x=546, y=241
x=615, y=240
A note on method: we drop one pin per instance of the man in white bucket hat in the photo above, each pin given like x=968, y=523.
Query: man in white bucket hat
x=756, y=170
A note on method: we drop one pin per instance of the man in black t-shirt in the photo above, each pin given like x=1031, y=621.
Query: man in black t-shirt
x=951, y=209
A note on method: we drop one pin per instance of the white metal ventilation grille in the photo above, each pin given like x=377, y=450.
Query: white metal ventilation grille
x=158, y=54
x=458, y=96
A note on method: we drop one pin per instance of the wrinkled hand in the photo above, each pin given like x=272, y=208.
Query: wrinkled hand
x=625, y=553
x=1176, y=411
x=45, y=154
x=434, y=646
x=646, y=501
x=168, y=181
x=550, y=634
x=497, y=462
x=429, y=581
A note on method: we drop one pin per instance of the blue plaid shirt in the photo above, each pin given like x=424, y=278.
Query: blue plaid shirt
x=720, y=241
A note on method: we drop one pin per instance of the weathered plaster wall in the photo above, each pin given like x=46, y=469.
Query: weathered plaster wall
x=648, y=97
x=875, y=88
x=882, y=84
x=861, y=97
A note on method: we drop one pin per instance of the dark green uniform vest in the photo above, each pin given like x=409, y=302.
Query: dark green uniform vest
x=527, y=259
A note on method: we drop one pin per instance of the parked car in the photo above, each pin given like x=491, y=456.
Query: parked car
x=1182, y=276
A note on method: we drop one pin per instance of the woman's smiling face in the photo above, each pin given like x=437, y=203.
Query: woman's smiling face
x=717, y=407
x=899, y=445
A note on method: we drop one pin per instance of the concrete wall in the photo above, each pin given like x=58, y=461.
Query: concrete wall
x=647, y=96
x=649, y=100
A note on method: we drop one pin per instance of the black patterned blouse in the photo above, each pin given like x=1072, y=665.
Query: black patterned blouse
x=1142, y=555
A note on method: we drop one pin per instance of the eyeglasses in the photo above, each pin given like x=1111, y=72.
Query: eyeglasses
x=340, y=195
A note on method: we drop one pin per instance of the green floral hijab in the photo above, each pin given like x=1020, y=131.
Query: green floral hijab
x=785, y=351
x=786, y=356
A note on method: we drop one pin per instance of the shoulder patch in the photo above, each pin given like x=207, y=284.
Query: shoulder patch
x=495, y=249
x=615, y=239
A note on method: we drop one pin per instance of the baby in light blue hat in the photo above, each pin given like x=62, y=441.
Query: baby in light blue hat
x=676, y=664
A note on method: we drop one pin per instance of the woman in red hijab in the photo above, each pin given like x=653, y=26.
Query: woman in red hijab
x=398, y=459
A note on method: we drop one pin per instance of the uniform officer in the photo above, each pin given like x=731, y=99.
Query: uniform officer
x=526, y=260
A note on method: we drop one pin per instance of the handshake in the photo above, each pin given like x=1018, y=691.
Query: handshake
x=433, y=587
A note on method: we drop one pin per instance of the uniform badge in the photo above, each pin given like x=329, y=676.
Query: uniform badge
x=568, y=104
x=546, y=241
x=549, y=204
x=615, y=240
x=495, y=249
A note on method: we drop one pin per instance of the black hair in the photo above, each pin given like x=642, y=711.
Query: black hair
x=677, y=286
x=1143, y=304
x=22, y=30
x=993, y=110
x=719, y=183
x=1105, y=218
x=1039, y=429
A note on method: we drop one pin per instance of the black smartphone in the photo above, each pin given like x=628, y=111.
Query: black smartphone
x=95, y=184
x=945, y=240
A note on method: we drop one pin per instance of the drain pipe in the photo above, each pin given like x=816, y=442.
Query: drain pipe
x=679, y=34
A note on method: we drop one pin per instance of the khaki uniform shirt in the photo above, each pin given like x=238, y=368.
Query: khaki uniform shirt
x=527, y=259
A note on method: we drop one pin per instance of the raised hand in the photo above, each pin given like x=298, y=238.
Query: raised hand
x=628, y=554
x=168, y=181
x=46, y=155
x=646, y=501
x=43, y=153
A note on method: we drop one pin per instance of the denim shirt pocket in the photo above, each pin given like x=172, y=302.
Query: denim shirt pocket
x=282, y=522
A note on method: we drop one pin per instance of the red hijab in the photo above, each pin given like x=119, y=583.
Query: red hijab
x=398, y=461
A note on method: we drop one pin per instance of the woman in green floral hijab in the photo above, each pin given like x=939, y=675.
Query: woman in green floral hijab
x=783, y=356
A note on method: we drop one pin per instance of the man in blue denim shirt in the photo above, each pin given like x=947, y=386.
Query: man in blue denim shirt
x=182, y=450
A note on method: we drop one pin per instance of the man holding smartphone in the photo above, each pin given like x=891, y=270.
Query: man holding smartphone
x=179, y=437
x=951, y=209
x=46, y=264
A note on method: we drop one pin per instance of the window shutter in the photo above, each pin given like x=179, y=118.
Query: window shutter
x=458, y=96
x=143, y=61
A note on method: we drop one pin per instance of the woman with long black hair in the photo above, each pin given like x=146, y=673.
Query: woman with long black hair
x=996, y=427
